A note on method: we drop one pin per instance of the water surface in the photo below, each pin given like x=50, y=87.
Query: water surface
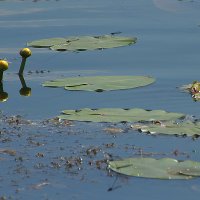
x=167, y=49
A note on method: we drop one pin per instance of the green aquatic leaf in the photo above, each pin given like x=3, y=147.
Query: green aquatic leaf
x=83, y=43
x=170, y=128
x=165, y=168
x=118, y=115
x=45, y=43
x=100, y=83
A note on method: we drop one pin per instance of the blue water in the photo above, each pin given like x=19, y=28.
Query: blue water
x=167, y=49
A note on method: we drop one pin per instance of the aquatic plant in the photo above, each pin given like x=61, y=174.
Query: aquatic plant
x=25, y=53
x=116, y=115
x=193, y=89
x=83, y=43
x=165, y=168
x=185, y=128
x=3, y=67
x=100, y=83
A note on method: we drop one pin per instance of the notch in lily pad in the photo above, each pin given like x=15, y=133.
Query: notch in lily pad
x=165, y=168
x=83, y=43
x=100, y=83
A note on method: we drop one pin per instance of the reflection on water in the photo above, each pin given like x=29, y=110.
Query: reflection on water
x=8, y=12
x=176, y=5
x=24, y=91
x=3, y=94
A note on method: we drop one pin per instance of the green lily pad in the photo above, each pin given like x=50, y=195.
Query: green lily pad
x=165, y=168
x=83, y=43
x=118, y=115
x=187, y=128
x=100, y=83
x=46, y=43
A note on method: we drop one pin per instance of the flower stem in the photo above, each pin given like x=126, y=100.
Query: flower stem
x=1, y=76
x=23, y=63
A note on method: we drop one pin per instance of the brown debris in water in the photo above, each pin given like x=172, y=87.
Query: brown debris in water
x=113, y=130
x=57, y=121
x=10, y=152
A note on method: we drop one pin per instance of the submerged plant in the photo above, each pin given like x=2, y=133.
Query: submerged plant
x=25, y=53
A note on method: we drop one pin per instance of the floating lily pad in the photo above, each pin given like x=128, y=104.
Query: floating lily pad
x=170, y=128
x=83, y=43
x=165, y=168
x=118, y=115
x=101, y=83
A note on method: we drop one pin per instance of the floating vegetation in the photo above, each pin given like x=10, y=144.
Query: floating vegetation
x=165, y=168
x=100, y=83
x=10, y=152
x=118, y=115
x=187, y=128
x=83, y=43
x=193, y=89
x=113, y=130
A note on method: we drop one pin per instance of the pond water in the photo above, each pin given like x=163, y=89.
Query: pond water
x=167, y=49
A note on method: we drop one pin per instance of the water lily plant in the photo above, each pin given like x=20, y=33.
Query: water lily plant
x=3, y=67
x=25, y=53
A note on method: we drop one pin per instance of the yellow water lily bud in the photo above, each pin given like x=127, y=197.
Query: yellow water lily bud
x=25, y=52
x=3, y=96
x=25, y=91
x=3, y=65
